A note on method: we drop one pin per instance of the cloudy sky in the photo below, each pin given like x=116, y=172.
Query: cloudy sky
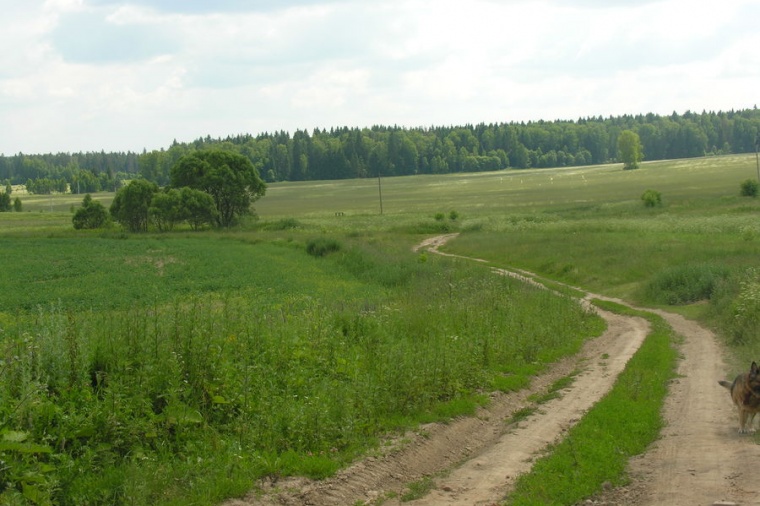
x=128, y=75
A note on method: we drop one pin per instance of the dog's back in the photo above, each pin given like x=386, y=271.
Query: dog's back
x=745, y=392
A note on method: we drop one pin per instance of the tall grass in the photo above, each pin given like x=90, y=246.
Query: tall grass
x=683, y=284
x=190, y=398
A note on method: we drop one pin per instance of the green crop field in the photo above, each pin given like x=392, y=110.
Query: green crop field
x=179, y=367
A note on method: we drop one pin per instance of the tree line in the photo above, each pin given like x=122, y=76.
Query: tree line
x=341, y=153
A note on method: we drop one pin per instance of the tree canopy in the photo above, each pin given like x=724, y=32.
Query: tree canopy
x=131, y=204
x=629, y=147
x=229, y=177
x=345, y=152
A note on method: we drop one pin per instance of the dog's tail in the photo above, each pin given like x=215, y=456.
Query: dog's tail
x=725, y=384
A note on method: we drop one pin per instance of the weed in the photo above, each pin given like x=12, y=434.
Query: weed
x=521, y=414
x=418, y=489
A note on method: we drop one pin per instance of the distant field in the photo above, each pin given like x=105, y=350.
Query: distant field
x=682, y=182
x=512, y=191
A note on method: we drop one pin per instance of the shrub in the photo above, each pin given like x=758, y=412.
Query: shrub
x=322, y=246
x=736, y=305
x=453, y=215
x=439, y=216
x=91, y=215
x=749, y=188
x=651, y=198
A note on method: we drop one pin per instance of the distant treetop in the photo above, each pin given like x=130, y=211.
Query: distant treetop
x=346, y=152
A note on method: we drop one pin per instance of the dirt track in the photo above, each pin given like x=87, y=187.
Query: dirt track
x=700, y=459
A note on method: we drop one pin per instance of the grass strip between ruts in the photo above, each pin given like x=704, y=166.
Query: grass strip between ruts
x=623, y=424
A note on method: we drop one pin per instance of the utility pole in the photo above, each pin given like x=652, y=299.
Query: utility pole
x=757, y=158
x=380, y=190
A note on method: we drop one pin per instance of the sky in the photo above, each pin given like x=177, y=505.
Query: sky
x=129, y=75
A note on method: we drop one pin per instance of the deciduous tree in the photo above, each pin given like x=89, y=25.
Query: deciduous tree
x=629, y=147
x=230, y=178
x=198, y=207
x=165, y=209
x=131, y=204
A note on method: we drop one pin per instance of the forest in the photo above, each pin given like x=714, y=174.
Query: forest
x=341, y=153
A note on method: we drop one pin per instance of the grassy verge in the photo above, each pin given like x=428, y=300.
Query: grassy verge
x=618, y=427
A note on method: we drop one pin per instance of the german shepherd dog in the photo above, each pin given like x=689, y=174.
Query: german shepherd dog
x=745, y=392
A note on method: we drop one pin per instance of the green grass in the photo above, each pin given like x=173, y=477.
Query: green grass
x=206, y=361
x=178, y=368
x=621, y=425
x=106, y=273
x=418, y=489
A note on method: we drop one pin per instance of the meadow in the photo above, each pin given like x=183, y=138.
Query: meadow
x=178, y=368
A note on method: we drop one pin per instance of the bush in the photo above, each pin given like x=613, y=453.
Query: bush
x=651, y=198
x=91, y=215
x=749, y=188
x=736, y=306
x=453, y=215
x=685, y=284
x=439, y=216
x=322, y=246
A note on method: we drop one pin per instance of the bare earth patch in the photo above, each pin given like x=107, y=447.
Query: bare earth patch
x=700, y=459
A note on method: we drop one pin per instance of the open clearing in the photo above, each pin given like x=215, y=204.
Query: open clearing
x=700, y=458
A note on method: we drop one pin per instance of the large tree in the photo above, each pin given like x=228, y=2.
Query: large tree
x=131, y=204
x=629, y=147
x=230, y=178
x=165, y=209
x=198, y=207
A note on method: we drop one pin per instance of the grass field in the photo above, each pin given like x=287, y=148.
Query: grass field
x=129, y=362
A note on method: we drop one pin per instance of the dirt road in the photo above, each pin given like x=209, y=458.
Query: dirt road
x=700, y=459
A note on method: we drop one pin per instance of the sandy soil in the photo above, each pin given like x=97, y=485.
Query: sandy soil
x=700, y=459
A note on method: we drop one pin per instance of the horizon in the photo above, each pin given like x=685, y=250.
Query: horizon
x=407, y=128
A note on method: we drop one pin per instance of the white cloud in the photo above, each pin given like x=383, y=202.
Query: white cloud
x=128, y=74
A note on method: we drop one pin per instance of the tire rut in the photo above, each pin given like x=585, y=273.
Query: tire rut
x=476, y=460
